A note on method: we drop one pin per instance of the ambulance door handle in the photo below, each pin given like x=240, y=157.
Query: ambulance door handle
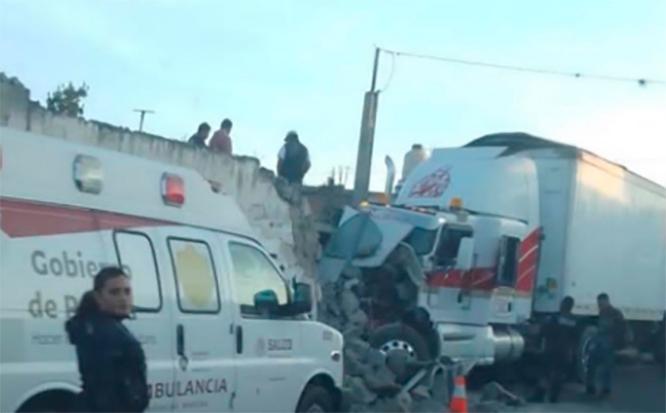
x=239, y=340
x=180, y=340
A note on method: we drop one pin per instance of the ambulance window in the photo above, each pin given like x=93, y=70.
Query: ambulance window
x=136, y=255
x=195, y=276
x=253, y=272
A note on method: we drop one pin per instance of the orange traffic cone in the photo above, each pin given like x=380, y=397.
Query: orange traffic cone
x=459, y=399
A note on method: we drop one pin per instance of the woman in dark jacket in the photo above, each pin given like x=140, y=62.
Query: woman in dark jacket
x=111, y=361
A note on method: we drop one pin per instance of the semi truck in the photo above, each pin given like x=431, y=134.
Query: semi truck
x=493, y=235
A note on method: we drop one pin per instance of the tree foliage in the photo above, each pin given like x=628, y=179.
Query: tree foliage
x=67, y=99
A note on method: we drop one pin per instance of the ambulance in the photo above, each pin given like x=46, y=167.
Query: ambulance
x=221, y=328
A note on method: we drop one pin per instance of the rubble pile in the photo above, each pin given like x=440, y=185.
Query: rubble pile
x=379, y=381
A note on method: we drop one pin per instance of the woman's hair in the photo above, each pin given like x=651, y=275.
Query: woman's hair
x=88, y=304
x=106, y=274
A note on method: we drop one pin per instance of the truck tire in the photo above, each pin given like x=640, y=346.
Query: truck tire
x=401, y=337
x=583, y=351
x=315, y=399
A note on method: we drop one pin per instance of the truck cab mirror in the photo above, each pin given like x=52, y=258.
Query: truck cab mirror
x=465, y=258
x=266, y=302
x=302, y=302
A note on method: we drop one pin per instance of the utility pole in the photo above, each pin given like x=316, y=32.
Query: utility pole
x=366, y=139
x=143, y=115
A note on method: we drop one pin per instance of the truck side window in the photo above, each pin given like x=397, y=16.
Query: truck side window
x=508, y=261
x=195, y=276
x=137, y=257
x=449, y=244
x=252, y=273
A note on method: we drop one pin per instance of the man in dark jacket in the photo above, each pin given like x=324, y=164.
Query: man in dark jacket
x=199, y=138
x=610, y=337
x=559, y=338
x=293, y=159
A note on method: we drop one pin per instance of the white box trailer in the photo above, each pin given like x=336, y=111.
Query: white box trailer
x=604, y=229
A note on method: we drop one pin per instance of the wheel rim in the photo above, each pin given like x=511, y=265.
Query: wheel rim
x=398, y=345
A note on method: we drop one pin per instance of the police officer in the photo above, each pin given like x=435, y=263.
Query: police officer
x=559, y=338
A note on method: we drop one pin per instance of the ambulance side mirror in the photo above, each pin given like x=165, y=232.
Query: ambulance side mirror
x=302, y=303
x=465, y=258
x=266, y=302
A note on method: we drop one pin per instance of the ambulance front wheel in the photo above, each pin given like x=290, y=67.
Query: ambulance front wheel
x=316, y=399
x=52, y=401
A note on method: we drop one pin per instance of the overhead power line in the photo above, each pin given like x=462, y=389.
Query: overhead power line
x=542, y=71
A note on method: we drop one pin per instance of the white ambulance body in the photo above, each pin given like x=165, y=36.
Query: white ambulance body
x=68, y=210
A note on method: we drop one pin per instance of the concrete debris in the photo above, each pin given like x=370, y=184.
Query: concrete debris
x=359, y=392
x=420, y=392
x=353, y=363
x=405, y=401
x=398, y=404
x=381, y=380
x=494, y=392
x=351, y=273
x=358, y=319
x=356, y=304
x=350, y=303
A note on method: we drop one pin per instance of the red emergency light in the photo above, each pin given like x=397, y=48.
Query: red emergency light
x=173, y=190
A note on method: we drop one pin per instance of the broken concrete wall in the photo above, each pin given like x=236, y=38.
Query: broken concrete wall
x=276, y=210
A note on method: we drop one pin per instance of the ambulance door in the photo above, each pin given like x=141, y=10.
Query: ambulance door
x=135, y=252
x=203, y=327
x=268, y=347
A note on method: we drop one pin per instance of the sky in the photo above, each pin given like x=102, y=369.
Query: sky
x=273, y=66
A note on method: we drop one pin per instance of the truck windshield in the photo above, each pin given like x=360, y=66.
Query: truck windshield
x=422, y=240
x=449, y=243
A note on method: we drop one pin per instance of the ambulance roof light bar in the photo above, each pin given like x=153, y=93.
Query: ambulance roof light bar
x=88, y=174
x=173, y=190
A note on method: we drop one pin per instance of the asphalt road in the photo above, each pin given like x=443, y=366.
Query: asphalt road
x=638, y=387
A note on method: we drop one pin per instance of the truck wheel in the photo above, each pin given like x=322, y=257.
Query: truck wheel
x=401, y=337
x=582, y=355
x=315, y=399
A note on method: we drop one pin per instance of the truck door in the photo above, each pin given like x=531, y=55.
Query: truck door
x=502, y=305
x=268, y=346
x=202, y=329
x=135, y=253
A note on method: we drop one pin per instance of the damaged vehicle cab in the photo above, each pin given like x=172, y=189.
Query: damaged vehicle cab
x=430, y=280
x=221, y=329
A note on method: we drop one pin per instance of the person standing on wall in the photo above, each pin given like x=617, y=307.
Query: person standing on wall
x=610, y=336
x=293, y=159
x=221, y=140
x=111, y=360
x=199, y=138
